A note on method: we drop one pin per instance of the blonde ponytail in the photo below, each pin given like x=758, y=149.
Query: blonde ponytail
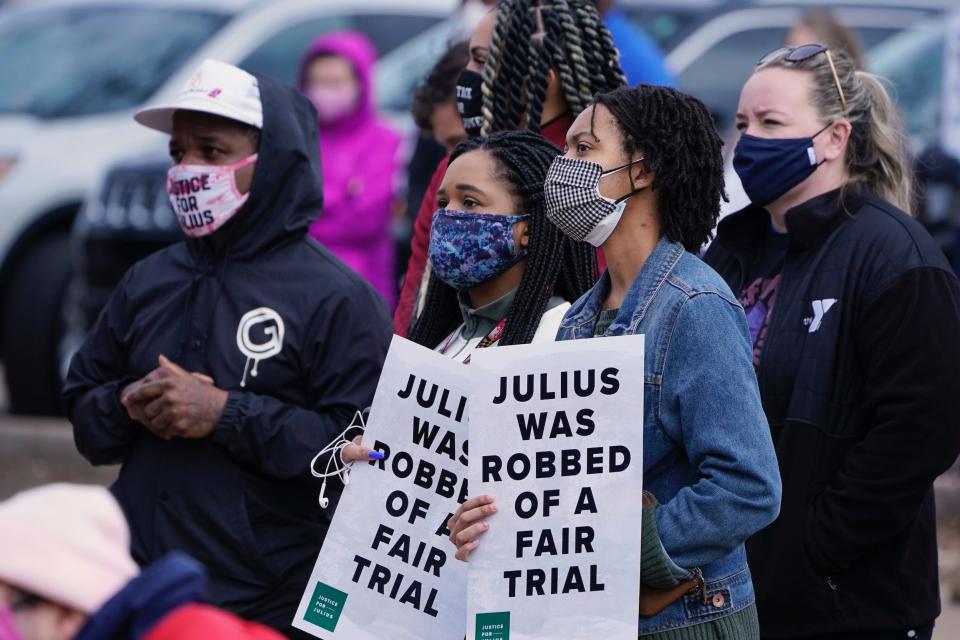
x=877, y=155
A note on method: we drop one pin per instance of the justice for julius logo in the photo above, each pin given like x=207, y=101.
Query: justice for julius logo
x=325, y=607
x=493, y=626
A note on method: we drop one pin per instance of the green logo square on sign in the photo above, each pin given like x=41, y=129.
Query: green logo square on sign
x=493, y=626
x=325, y=606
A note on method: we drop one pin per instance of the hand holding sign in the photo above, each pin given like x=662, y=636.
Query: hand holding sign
x=468, y=523
x=356, y=452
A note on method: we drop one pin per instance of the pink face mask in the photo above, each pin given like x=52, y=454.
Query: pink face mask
x=205, y=197
x=333, y=103
x=8, y=630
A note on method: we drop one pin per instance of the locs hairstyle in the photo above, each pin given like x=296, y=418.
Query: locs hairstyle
x=680, y=144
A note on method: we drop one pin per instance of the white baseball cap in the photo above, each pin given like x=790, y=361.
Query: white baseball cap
x=217, y=88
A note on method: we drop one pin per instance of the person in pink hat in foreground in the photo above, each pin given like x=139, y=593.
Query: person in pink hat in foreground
x=64, y=552
x=66, y=574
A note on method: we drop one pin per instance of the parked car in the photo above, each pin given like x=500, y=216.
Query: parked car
x=74, y=71
x=715, y=59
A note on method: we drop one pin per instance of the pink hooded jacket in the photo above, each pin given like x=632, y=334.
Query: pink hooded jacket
x=360, y=158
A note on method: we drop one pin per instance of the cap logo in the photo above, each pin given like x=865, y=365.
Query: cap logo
x=216, y=92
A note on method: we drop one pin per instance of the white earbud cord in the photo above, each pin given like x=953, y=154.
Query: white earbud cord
x=335, y=451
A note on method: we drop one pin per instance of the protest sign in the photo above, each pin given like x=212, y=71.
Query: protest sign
x=557, y=438
x=387, y=568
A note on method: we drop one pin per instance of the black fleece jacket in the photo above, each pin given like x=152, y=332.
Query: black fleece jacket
x=241, y=501
x=860, y=381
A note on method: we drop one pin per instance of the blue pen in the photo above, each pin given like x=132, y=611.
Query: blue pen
x=376, y=455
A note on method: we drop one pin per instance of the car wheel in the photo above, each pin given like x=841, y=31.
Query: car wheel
x=32, y=325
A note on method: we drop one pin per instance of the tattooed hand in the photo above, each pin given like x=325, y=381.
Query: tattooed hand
x=174, y=403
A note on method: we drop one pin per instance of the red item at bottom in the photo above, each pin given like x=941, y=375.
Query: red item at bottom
x=202, y=622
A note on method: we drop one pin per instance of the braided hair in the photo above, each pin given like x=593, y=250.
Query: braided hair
x=556, y=265
x=530, y=38
x=680, y=144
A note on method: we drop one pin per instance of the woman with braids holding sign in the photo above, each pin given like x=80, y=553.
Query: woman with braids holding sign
x=535, y=65
x=500, y=270
x=643, y=177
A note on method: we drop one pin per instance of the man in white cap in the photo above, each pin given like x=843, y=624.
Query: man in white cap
x=64, y=552
x=282, y=342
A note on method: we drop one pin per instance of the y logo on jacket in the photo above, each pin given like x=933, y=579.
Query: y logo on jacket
x=257, y=351
x=820, y=309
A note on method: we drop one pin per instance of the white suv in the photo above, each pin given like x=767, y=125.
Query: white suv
x=73, y=72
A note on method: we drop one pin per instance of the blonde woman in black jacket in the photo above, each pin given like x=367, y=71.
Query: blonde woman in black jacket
x=855, y=319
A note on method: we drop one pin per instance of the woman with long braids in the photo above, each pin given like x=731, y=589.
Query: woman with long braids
x=643, y=178
x=535, y=65
x=500, y=270
x=854, y=316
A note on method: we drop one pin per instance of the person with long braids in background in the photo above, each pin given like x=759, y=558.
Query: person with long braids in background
x=535, y=65
x=854, y=316
x=643, y=178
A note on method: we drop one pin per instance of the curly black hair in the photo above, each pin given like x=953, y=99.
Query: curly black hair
x=680, y=144
x=556, y=265
x=440, y=84
x=530, y=38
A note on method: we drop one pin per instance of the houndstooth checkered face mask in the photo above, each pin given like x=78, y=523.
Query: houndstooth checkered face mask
x=574, y=202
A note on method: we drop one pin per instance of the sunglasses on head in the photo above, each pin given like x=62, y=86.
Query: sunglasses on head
x=804, y=53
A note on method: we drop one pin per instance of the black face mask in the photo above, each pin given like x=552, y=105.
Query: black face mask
x=470, y=101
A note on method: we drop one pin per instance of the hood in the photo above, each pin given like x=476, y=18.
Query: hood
x=361, y=53
x=171, y=582
x=286, y=194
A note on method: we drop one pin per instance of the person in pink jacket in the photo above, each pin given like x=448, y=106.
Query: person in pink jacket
x=360, y=156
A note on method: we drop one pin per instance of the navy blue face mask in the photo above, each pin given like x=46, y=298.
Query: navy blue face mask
x=769, y=167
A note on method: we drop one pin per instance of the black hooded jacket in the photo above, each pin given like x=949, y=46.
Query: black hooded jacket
x=242, y=501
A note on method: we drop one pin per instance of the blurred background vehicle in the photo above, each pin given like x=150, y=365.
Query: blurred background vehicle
x=913, y=46
x=73, y=71
x=49, y=299
x=716, y=57
x=923, y=64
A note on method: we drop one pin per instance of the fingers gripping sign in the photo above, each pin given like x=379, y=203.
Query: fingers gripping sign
x=469, y=523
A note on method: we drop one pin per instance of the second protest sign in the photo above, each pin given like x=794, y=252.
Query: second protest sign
x=556, y=436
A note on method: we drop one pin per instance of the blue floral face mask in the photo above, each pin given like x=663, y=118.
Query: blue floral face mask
x=467, y=249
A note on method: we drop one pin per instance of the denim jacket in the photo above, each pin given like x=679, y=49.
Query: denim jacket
x=707, y=451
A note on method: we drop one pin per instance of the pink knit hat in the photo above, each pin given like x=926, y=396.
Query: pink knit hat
x=67, y=543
